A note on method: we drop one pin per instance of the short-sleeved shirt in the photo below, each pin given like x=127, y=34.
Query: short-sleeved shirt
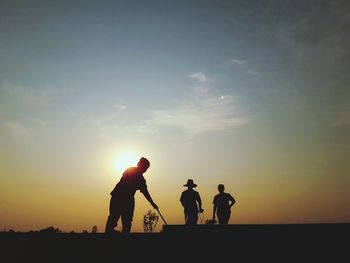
x=221, y=200
x=131, y=181
x=189, y=199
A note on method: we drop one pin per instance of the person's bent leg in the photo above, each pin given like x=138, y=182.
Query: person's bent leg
x=114, y=214
x=127, y=215
x=126, y=225
x=111, y=223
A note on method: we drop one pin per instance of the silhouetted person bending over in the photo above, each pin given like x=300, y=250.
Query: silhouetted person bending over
x=122, y=202
x=191, y=202
x=222, y=205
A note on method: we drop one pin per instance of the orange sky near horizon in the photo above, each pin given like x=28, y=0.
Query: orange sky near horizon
x=77, y=205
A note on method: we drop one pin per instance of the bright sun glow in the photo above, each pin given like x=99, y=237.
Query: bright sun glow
x=123, y=160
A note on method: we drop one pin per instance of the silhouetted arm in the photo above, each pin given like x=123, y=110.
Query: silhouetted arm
x=214, y=208
x=199, y=200
x=182, y=199
x=145, y=192
x=233, y=201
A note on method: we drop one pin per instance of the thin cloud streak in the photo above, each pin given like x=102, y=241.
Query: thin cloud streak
x=201, y=112
x=253, y=72
x=120, y=107
x=206, y=116
x=200, y=77
x=27, y=96
x=342, y=118
x=17, y=129
x=232, y=61
x=237, y=61
x=209, y=115
x=201, y=89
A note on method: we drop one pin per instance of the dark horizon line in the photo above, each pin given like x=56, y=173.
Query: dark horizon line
x=59, y=231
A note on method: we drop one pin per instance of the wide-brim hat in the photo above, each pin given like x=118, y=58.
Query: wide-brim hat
x=190, y=183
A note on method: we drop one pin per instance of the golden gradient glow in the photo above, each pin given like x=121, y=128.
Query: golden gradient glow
x=125, y=159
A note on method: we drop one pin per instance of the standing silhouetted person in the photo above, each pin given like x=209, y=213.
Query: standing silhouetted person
x=222, y=205
x=191, y=202
x=122, y=201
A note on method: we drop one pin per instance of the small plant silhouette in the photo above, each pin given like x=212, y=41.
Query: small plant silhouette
x=94, y=229
x=210, y=222
x=50, y=230
x=150, y=221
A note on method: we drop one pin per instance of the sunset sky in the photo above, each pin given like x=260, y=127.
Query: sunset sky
x=250, y=94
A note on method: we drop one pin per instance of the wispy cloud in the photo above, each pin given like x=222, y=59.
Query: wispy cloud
x=342, y=118
x=253, y=72
x=201, y=89
x=243, y=66
x=200, y=77
x=200, y=112
x=212, y=114
x=28, y=97
x=17, y=129
x=233, y=61
x=120, y=107
x=28, y=129
x=236, y=61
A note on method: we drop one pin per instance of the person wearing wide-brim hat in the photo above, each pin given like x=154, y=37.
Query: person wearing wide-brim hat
x=190, y=184
x=191, y=202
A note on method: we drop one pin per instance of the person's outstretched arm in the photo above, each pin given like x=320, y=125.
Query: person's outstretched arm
x=233, y=201
x=145, y=192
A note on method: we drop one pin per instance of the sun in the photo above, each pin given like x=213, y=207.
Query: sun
x=124, y=160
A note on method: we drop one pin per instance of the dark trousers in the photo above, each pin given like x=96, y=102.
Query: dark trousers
x=120, y=208
x=223, y=217
x=191, y=217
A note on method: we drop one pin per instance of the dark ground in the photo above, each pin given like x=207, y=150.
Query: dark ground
x=204, y=243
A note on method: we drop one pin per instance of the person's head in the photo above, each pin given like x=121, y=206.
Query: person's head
x=221, y=188
x=143, y=164
x=190, y=184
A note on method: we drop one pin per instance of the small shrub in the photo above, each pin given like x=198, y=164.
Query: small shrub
x=150, y=221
